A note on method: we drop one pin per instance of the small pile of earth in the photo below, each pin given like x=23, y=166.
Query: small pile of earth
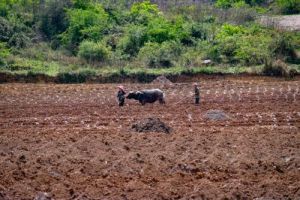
x=216, y=115
x=162, y=80
x=151, y=125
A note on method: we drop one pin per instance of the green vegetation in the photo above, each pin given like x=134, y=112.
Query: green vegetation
x=93, y=52
x=75, y=39
x=289, y=6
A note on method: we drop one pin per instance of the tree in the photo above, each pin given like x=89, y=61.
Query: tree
x=144, y=12
x=85, y=24
x=53, y=18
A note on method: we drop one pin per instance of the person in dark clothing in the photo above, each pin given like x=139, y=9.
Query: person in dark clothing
x=121, y=95
x=197, y=93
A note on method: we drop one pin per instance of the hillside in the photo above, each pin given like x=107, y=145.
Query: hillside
x=91, y=38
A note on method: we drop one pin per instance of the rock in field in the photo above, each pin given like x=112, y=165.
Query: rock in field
x=216, y=115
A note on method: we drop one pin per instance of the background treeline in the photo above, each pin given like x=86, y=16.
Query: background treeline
x=98, y=36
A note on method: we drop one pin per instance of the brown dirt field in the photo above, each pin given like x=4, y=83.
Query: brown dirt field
x=74, y=142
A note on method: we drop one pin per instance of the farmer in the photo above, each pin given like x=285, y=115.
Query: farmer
x=197, y=93
x=121, y=95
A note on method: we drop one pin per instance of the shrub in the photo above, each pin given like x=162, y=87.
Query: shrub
x=85, y=75
x=191, y=59
x=253, y=49
x=53, y=19
x=4, y=53
x=156, y=55
x=6, y=30
x=15, y=34
x=201, y=31
x=276, y=68
x=142, y=13
x=237, y=3
x=289, y=6
x=284, y=46
x=160, y=30
x=19, y=40
x=228, y=3
x=85, y=24
x=245, y=45
x=92, y=51
x=227, y=48
x=134, y=39
x=230, y=30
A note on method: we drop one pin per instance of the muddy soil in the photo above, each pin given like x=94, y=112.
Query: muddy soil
x=74, y=142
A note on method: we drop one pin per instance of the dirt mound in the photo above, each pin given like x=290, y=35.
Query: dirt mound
x=162, y=80
x=151, y=125
x=216, y=115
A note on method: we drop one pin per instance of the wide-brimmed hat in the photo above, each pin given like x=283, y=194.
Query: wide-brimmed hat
x=195, y=84
x=121, y=87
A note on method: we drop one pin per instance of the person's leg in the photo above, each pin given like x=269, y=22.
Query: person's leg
x=121, y=103
x=197, y=100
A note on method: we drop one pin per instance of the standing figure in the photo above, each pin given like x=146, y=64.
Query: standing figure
x=197, y=93
x=121, y=95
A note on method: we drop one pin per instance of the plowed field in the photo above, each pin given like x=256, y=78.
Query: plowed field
x=74, y=142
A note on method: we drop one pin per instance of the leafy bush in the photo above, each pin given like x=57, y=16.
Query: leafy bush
x=228, y=3
x=192, y=57
x=15, y=34
x=85, y=74
x=200, y=31
x=134, y=39
x=289, y=6
x=237, y=3
x=4, y=52
x=230, y=30
x=92, y=52
x=144, y=12
x=160, y=55
x=284, y=46
x=226, y=45
x=6, y=30
x=82, y=4
x=160, y=30
x=85, y=24
x=53, y=18
x=245, y=45
x=253, y=50
x=276, y=68
x=19, y=40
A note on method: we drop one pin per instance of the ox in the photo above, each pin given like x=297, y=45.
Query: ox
x=147, y=96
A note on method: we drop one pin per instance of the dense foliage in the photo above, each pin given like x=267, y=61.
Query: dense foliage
x=114, y=33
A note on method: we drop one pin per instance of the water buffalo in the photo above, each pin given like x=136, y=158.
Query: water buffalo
x=147, y=96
